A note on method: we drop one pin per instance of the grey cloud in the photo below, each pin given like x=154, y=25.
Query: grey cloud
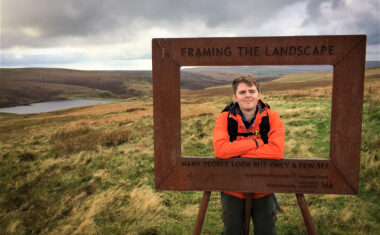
x=80, y=23
x=369, y=24
x=39, y=60
x=57, y=20
x=357, y=22
x=313, y=7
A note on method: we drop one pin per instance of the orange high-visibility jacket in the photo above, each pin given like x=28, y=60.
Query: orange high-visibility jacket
x=246, y=146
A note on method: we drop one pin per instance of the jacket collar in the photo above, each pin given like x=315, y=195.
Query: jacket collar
x=235, y=109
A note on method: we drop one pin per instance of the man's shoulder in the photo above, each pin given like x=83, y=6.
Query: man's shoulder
x=221, y=121
x=222, y=115
x=273, y=114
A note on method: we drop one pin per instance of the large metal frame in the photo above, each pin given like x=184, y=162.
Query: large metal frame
x=337, y=175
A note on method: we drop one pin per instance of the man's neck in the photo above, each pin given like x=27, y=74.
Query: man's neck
x=248, y=115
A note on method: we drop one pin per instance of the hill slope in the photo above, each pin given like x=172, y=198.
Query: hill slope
x=292, y=82
x=90, y=170
x=20, y=86
x=28, y=85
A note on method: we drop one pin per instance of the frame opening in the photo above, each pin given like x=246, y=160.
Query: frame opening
x=300, y=94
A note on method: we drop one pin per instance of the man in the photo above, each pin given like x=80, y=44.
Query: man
x=248, y=112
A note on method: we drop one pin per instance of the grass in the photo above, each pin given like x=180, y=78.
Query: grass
x=90, y=170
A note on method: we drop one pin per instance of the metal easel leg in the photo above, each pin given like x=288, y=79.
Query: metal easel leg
x=306, y=214
x=247, y=215
x=202, y=213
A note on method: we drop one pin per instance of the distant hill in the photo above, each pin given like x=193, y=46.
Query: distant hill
x=29, y=85
x=261, y=71
x=227, y=72
x=370, y=64
x=288, y=82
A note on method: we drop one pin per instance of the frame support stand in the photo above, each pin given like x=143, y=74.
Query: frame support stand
x=247, y=215
x=306, y=215
x=248, y=204
x=202, y=213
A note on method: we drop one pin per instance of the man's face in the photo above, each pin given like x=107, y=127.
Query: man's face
x=247, y=97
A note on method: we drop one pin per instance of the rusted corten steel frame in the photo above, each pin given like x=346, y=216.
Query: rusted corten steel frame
x=337, y=175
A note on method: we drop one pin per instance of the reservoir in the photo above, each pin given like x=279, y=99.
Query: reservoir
x=50, y=106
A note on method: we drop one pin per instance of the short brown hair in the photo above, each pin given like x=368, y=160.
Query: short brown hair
x=247, y=79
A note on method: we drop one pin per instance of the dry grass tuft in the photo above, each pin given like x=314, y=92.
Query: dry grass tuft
x=86, y=139
x=27, y=157
x=117, y=137
x=145, y=201
x=85, y=213
x=146, y=210
x=190, y=211
x=348, y=215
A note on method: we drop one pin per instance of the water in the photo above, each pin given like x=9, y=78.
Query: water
x=50, y=106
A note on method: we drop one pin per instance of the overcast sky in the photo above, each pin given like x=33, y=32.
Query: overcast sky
x=116, y=34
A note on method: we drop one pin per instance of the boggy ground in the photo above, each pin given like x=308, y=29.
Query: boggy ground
x=90, y=170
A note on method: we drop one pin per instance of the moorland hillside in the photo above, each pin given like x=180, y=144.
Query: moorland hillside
x=31, y=85
x=90, y=170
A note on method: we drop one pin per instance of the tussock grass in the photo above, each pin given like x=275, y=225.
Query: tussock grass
x=90, y=170
x=27, y=156
x=86, y=139
x=197, y=135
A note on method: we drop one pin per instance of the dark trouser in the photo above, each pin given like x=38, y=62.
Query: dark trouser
x=263, y=215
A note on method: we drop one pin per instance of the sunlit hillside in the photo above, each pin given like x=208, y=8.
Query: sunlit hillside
x=90, y=170
x=31, y=85
x=317, y=84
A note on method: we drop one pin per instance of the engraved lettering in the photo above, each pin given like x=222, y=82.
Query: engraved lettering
x=241, y=164
x=307, y=176
x=257, y=51
x=315, y=52
x=190, y=163
x=219, y=51
x=299, y=49
x=215, y=164
x=266, y=51
x=279, y=165
x=307, y=50
x=323, y=49
x=259, y=164
x=240, y=48
x=322, y=177
x=327, y=185
x=227, y=51
x=249, y=51
x=275, y=51
x=331, y=50
x=284, y=50
x=306, y=165
x=292, y=50
x=322, y=165
x=206, y=52
x=198, y=52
